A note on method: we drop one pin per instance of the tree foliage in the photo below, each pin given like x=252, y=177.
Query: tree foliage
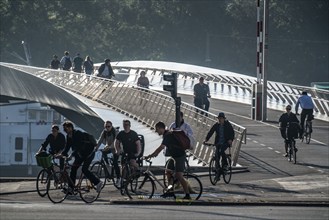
x=172, y=30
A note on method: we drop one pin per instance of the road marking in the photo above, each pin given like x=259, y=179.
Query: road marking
x=278, y=152
x=270, y=148
x=264, y=145
x=305, y=182
x=255, y=141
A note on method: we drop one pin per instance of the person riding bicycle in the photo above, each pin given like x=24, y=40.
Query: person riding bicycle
x=56, y=141
x=307, y=105
x=284, y=119
x=83, y=149
x=179, y=155
x=107, y=138
x=224, y=137
x=130, y=143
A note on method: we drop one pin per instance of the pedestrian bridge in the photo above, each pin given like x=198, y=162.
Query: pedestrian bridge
x=150, y=106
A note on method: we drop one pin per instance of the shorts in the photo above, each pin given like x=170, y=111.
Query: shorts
x=180, y=164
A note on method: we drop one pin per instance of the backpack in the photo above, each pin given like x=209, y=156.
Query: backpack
x=67, y=63
x=293, y=130
x=182, y=138
x=89, y=139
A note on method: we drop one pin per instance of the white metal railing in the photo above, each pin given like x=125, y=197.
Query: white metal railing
x=224, y=85
x=146, y=106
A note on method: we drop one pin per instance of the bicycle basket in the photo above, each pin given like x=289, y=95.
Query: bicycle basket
x=44, y=161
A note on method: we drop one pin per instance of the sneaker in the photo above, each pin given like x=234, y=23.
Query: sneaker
x=296, y=149
x=285, y=155
x=118, y=182
x=187, y=197
x=99, y=186
x=167, y=194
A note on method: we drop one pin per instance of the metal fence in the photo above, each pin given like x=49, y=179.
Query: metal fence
x=143, y=105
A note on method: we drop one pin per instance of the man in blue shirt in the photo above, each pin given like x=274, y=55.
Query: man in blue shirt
x=307, y=106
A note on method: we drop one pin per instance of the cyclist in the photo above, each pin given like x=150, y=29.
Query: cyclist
x=56, y=141
x=224, y=137
x=179, y=155
x=284, y=119
x=83, y=149
x=130, y=143
x=107, y=138
x=306, y=103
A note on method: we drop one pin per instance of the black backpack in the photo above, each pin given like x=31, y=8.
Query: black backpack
x=67, y=63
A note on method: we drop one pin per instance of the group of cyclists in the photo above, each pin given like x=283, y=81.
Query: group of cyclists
x=127, y=141
x=289, y=123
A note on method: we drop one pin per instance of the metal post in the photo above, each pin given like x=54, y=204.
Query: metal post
x=178, y=102
x=265, y=52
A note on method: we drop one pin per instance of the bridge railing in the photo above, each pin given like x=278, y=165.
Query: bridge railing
x=146, y=106
x=226, y=85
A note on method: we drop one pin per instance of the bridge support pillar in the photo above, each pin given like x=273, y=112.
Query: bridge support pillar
x=256, y=102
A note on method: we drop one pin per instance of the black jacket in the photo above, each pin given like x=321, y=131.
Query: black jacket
x=101, y=69
x=228, y=132
x=80, y=144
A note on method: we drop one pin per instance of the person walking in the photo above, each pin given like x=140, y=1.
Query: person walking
x=77, y=63
x=83, y=149
x=107, y=138
x=105, y=70
x=201, y=95
x=170, y=143
x=307, y=105
x=224, y=137
x=54, y=64
x=284, y=119
x=184, y=126
x=88, y=66
x=66, y=62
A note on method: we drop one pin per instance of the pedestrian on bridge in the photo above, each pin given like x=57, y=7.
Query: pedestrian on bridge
x=66, y=62
x=54, y=64
x=105, y=70
x=143, y=81
x=88, y=66
x=77, y=63
x=201, y=95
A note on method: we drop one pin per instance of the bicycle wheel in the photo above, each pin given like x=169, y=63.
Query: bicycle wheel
x=289, y=151
x=140, y=187
x=165, y=177
x=213, y=171
x=227, y=173
x=194, y=186
x=87, y=189
x=126, y=173
x=57, y=187
x=41, y=183
x=307, y=133
x=99, y=169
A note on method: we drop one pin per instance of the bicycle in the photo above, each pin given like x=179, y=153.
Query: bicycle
x=292, y=150
x=47, y=162
x=307, y=132
x=186, y=170
x=104, y=173
x=58, y=186
x=216, y=169
x=142, y=185
x=292, y=134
